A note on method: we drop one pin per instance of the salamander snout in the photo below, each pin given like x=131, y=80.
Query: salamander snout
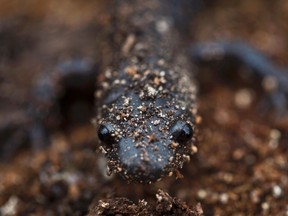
x=143, y=163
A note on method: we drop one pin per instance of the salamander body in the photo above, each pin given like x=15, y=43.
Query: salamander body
x=146, y=95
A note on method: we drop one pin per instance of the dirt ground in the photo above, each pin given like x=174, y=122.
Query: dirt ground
x=242, y=164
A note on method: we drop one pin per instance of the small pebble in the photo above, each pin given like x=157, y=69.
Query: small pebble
x=265, y=206
x=277, y=191
x=202, y=194
x=243, y=98
x=9, y=208
x=224, y=198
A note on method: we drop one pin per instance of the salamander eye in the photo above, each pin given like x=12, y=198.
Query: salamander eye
x=105, y=133
x=181, y=131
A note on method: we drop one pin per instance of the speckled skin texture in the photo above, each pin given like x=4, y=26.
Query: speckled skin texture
x=145, y=89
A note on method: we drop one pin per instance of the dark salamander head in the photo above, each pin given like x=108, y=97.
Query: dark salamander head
x=146, y=123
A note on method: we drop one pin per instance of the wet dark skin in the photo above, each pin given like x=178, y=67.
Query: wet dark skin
x=146, y=113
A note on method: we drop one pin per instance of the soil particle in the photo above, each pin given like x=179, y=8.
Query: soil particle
x=165, y=205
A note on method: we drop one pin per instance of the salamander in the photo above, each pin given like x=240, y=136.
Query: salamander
x=145, y=99
x=146, y=95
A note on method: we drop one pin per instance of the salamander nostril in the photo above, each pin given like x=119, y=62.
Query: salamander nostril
x=105, y=133
x=181, y=131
